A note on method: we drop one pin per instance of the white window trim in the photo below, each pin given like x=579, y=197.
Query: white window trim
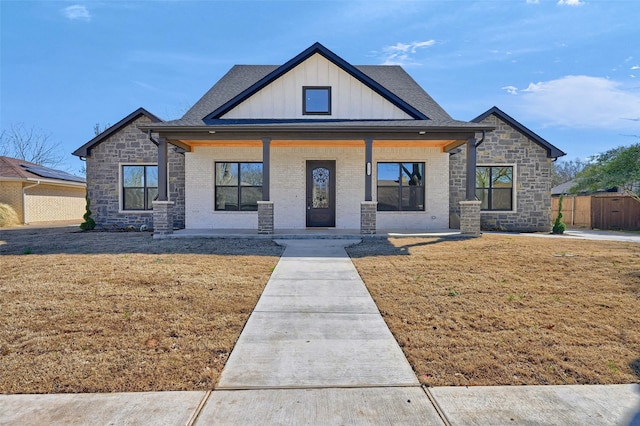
x=514, y=192
x=121, y=209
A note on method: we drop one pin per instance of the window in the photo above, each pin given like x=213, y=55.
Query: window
x=139, y=187
x=400, y=186
x=238, y=186
x=494, y=187
x=316, y=100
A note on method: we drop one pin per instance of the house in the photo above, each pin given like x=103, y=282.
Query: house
x=313, y=143
x=513, y=176
x=41, y=194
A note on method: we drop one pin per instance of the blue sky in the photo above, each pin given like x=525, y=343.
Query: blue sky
x=567, y=69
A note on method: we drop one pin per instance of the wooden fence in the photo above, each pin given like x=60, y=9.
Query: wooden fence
x=600, y=211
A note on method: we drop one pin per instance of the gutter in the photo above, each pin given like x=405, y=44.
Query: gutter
x=24, y=201
x=307, y=127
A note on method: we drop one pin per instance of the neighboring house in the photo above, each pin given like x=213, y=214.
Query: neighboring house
x=313, y=143
x=41, y=194
x=513, y=176
x=122, y=174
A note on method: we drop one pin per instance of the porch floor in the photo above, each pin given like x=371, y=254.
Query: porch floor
x=309, y=233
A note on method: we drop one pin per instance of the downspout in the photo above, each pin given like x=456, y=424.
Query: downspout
x=163, y=185
x=472, y=145
x=481, y=139
x=24, y=201
x=152, y=139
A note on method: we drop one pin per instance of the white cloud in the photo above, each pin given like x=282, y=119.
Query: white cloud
x=635, y=67
x=571, y=2
x=400, y=53
x=512, y=90
x=580, y=102
x=78, y=12
x=533, y=1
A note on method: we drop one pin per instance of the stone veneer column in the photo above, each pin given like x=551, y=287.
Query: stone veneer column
x=265, y=217
x=368, y=217
x=163, y=217
x=470, y=218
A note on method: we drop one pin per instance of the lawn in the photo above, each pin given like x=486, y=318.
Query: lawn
x=116, y=312
x=509, y=310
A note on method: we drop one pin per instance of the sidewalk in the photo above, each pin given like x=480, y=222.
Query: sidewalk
x=317, y=351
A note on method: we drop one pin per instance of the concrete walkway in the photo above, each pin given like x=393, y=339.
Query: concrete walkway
x=316, y=351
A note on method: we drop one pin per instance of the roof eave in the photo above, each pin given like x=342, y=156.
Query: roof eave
x=85, y=149
x=552, y=151
x=316, y=132
x=44, y=180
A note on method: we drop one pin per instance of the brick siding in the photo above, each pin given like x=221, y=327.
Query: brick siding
x=288, y=186
x=50, y=203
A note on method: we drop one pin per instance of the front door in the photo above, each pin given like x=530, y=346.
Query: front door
x=321, y=193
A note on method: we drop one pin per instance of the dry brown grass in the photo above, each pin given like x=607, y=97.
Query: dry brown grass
x=509, y=310
x=8, y=216
x=107, y=312
x=114, y=312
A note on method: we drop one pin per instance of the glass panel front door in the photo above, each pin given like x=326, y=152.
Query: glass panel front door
x=321, y=193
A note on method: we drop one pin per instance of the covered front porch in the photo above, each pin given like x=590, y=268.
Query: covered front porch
x=356, y=150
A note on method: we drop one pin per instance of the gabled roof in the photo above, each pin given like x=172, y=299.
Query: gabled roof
x=16, y=169
x=85, y=149
x=552, y=151
x=390, y=81
x=316, y=48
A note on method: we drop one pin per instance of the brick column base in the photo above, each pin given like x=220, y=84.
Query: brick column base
x=470, y=218
x=368, y=217
x=163, y=217
x=265, y=217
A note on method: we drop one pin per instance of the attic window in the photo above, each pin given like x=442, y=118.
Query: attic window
x=316, y=100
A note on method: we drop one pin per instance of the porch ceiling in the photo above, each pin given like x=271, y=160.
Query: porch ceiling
x=412, y=133
x=444, y=145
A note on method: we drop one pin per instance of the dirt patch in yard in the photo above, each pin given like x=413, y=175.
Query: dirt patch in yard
x=120, y=312
x=509, y=310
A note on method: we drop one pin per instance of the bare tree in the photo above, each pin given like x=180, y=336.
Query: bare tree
x=30, y=144
x=564, y=171
x=97, y=128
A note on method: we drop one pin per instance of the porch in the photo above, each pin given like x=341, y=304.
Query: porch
x=310, y=233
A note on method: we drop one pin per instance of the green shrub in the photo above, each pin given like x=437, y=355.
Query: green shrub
x=558, y=225
x=88, y=223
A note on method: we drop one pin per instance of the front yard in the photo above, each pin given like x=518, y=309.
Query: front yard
x=509, y=310
x=114, y=312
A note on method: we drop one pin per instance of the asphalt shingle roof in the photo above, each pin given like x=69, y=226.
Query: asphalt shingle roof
x=241, y=81
x=393, y=77
x=14, y=168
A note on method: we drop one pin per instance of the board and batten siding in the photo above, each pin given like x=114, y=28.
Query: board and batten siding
x=350, y=99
